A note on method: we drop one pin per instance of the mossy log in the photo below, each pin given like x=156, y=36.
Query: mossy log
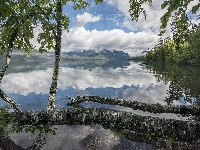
x=113, y=119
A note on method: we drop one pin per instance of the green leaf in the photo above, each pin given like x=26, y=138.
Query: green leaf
x=149, y=136
x=164, y=4
x=169, y=141
x=195, y=8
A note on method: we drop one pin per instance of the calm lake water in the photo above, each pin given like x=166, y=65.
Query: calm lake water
x=27, y=81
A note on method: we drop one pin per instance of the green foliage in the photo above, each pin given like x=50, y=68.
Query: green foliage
x=149, y=135
x=80, y=4
x=23, y=17
x=41, y=130
x=169, y=142
x=119, y=133
x=195, y=8
x=183, y=49
x=4, y=120
x=172, y=6
x=136, y=8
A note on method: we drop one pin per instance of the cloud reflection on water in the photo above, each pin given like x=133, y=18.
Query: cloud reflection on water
x=131, y=82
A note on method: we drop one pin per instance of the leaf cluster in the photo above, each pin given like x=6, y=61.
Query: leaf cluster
x=178, y=6
x=22, y=17
x=136, y=8
x=4, y=120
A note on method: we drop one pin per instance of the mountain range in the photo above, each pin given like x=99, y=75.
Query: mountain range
x=92, y=54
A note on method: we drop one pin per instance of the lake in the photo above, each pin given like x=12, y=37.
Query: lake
x=28, y=80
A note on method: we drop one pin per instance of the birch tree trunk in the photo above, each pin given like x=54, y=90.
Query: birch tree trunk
x=52, y=93
x=9, y=53
x=9, y=101
x=3, y=70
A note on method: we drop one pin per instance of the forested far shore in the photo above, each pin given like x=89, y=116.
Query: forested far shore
x=181, y=49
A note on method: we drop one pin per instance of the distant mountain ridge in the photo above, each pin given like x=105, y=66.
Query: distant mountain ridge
x=85, y=54
x=92, y=54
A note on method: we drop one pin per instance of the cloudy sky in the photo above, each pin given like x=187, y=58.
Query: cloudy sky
x=109, y=26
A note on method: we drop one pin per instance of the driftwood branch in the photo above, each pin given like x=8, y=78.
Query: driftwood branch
x=136, y=128
x=153, y=108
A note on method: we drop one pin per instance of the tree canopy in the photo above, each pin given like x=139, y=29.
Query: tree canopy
x=23, y=17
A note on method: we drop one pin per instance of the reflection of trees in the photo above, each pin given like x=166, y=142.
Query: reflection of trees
x=174, y=91
x=183, y=80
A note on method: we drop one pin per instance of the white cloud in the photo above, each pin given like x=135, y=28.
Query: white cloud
x=86, y=17
x=133, y=43
x=153, y=15
x=80, y=38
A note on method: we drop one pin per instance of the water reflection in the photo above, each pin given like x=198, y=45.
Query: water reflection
x=29, y=87
x=127, y=81
x=184, y=83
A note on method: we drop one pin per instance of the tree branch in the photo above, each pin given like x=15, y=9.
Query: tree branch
x=10, y=101
x=153, y=108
